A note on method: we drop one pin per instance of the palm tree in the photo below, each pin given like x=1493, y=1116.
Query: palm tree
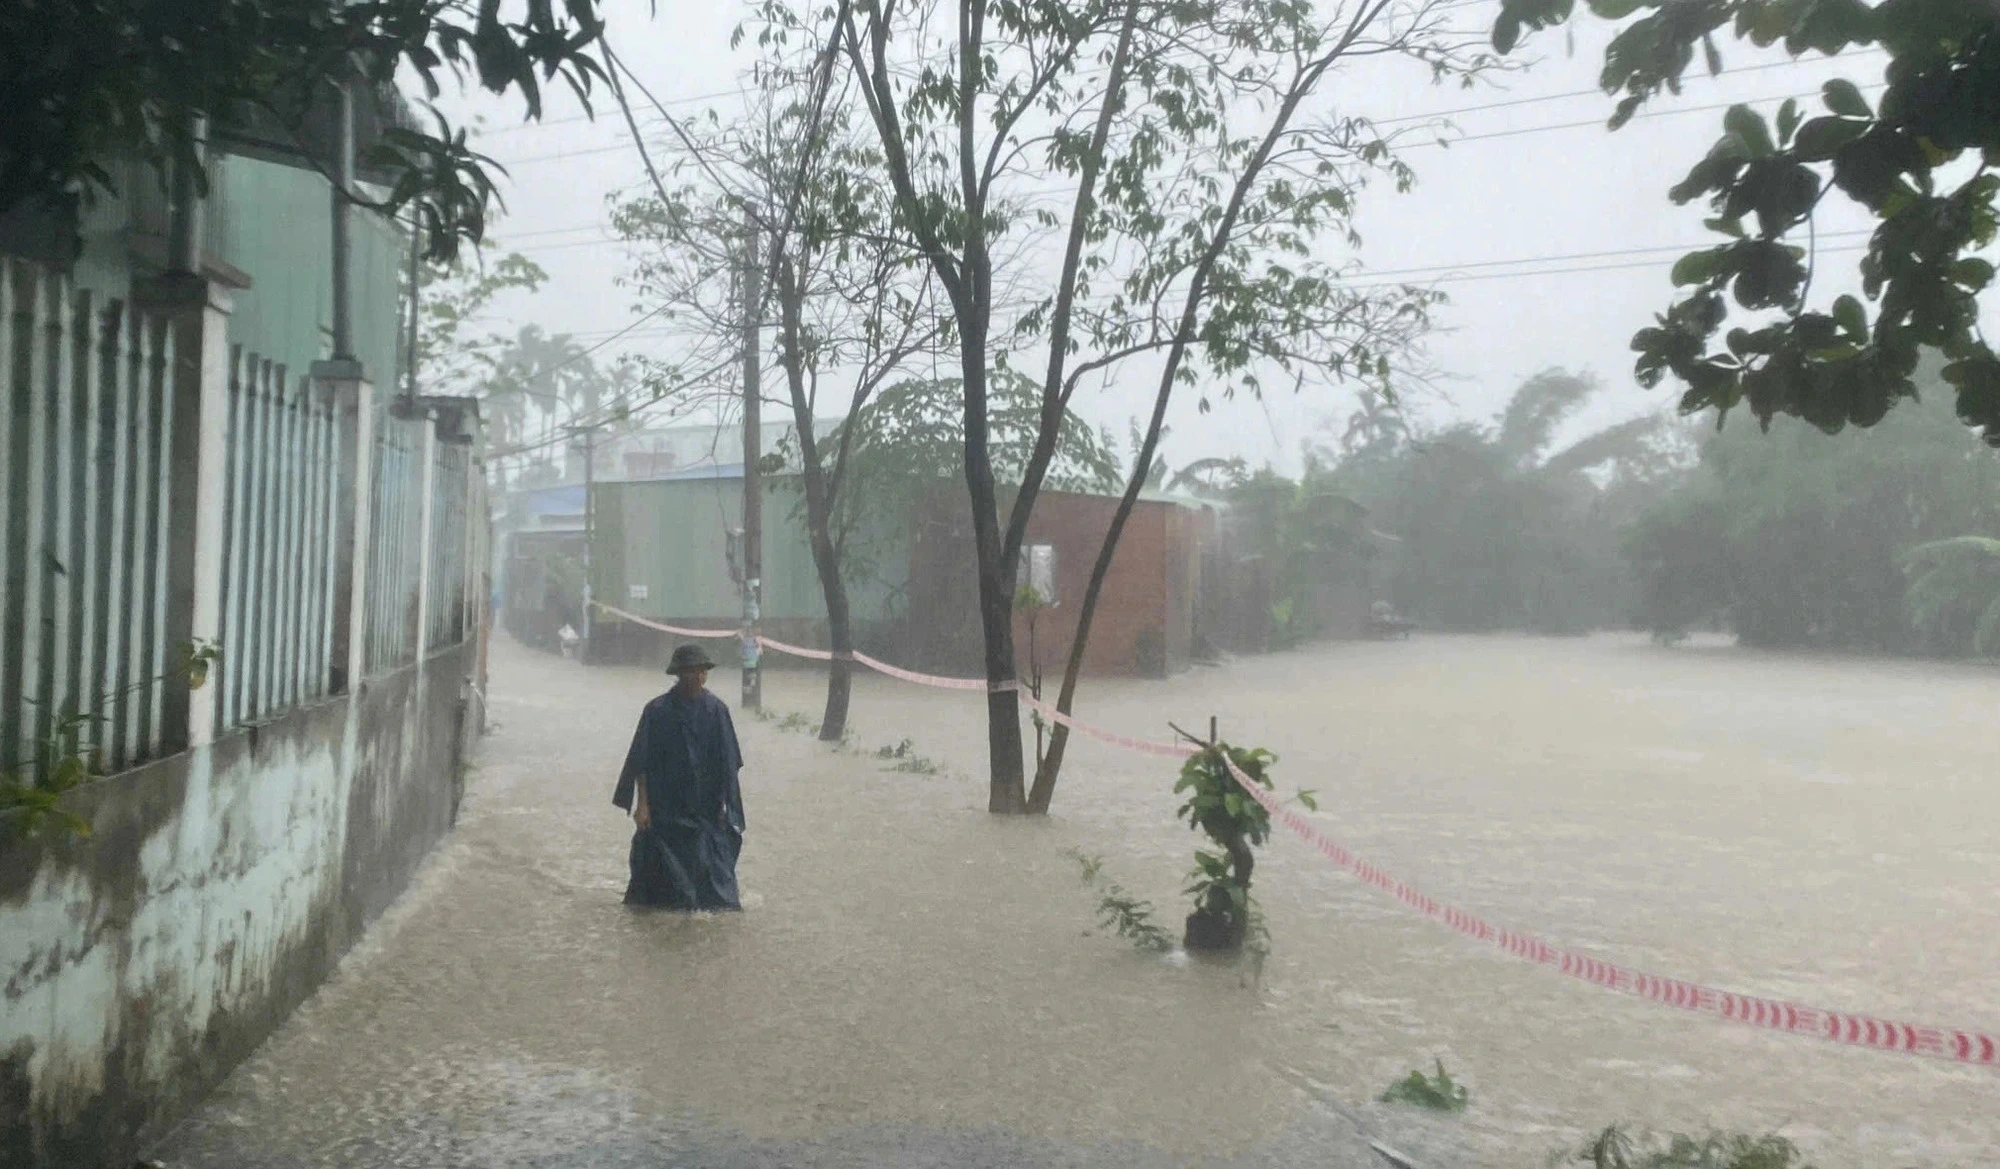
x=1501, y=531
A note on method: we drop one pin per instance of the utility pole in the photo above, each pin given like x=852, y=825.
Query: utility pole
x=410, y=342
x=753, y=481
x=588, y=434
x=343, y=184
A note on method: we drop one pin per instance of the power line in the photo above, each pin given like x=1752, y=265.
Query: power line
x=1479, y=277
x=1471, y=272
x=538, y=124
x=1453, y=274
x=1403, y=119
x=1636, y=117
x=1596, y=93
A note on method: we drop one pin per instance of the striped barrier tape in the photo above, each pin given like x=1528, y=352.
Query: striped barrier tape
x=1163, y=750
x=797, y=651
x=634, y=618
x=933, y=680
x=1769, y=1014
x=1967, y=1047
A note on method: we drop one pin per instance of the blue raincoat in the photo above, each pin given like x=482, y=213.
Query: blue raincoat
x=686, y=754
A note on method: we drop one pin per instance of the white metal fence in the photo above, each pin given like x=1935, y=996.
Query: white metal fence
x=279, y=514
x=103, y=427
x=86, y=460
x=396, y=531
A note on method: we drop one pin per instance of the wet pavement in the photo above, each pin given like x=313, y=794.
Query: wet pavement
x=915, y=983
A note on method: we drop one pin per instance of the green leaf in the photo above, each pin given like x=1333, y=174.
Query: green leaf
x=1973, y=272
x=1695, y=268
x=1821, y=138
x=1853, y=318
x=1788, y=120
x=1749, y=125
x=1843, y=98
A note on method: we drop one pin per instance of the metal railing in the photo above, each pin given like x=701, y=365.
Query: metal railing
x=278, y=556
x=86, y=459
x=396, y=553
x=132, y=458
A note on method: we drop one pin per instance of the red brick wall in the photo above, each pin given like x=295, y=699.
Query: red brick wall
x=1144, y=618
x=1134, y=607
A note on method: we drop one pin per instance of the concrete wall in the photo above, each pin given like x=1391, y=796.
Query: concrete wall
x=218, y=888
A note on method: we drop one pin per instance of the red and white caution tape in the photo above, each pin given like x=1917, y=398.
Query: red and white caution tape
x=1967, y=1047
x=797, y=651
x=634, y=618
x=1163, y=750
x=932, y=680
x=1769, y=1014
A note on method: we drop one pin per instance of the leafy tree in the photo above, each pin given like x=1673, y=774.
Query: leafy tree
x=1500, y=530
x=1954, y=594
x=85, y=82
x=777, y=196
x=1918, y=161
x=1312, y=533
x=455, y=351
x=911, y=436
x=534, y=382
x=1797, y=539
x=1152, y=159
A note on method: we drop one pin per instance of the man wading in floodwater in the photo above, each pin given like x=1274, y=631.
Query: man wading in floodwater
x=680, y=784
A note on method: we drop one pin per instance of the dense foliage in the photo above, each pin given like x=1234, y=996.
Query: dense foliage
x=1796, y=538
x=1918, y=161
x=1465, y=526
x=1884, y=540
x=89, y=82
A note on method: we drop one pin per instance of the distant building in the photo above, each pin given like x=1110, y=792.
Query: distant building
x=1148, y=621
x=664, y=451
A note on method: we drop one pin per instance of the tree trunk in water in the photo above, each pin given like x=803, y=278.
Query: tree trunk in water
x=1007, y=794
x=819, y=509
x=1050, y=767
x=840, y=639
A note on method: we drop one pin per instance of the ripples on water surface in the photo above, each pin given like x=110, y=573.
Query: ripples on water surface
x=915, y=982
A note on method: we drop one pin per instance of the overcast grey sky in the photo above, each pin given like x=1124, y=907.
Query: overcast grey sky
x=1552, y=236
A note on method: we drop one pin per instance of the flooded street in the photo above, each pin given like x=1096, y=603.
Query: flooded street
x=915, y=982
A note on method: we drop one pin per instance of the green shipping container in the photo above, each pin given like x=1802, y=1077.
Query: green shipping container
x=661, y=551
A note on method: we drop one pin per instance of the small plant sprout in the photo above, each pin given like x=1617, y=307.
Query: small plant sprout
x=1092, y=865
x=68, y=756
x=1614, y=1149
x=1234, y=823
x=1437, y=1091
x=1132, y=920
x=1119, y=911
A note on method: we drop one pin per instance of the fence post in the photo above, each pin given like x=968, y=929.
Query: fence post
x=346, y=381
x=427, y=449
x=195, y=312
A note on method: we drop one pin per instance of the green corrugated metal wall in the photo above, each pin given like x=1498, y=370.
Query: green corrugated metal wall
x=273, y=223
x=671, y=538
x=278, y=228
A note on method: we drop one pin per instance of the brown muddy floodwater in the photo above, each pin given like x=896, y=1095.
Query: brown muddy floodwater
x=917, y=983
